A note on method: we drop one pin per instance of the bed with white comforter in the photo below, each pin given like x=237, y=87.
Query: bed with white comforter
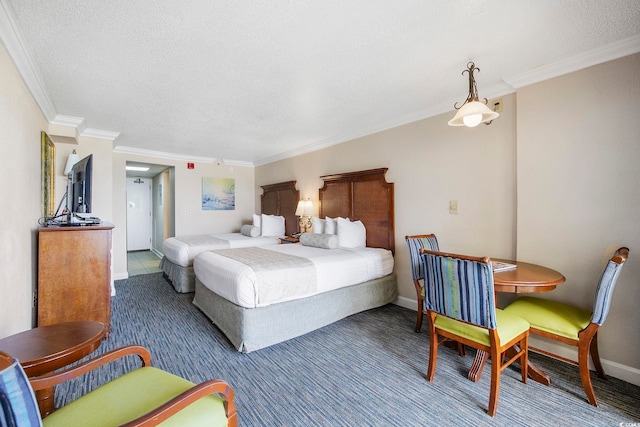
x=240, y=283
x=179, y=253
x=263, y=296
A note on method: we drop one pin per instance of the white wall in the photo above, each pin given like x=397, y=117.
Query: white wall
x=579, y=190
x=20, y=127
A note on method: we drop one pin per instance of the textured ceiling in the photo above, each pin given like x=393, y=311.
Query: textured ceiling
x=257, y=80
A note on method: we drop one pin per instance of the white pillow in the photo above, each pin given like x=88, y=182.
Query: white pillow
x=250, y=230
x=351, y=234
x=317, y=240
x=256, y=220
x=272, y=225
x=331, y=226
x=317, y=224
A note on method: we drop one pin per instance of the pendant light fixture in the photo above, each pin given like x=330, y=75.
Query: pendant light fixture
x=472, y=112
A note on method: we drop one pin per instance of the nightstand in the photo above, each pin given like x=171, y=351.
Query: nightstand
x=289, y=239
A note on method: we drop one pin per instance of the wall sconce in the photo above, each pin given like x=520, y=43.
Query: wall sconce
x=472, y=112
x=305, y=212
x=71, y=160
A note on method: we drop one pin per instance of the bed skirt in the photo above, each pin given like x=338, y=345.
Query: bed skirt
x=182, y=278
x=251, y=329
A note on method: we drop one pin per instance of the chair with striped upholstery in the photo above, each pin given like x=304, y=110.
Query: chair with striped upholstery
x=572, y=325
x=460, y=301
x=415, y=243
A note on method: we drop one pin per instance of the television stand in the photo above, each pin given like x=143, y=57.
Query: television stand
x=79, y=221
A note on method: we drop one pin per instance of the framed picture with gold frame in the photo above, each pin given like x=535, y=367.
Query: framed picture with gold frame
x=48, y=161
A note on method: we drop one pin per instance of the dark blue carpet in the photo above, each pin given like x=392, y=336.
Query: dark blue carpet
x=366, y=370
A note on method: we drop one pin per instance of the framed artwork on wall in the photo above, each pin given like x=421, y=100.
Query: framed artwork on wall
x=47, y=159
x=218, y=194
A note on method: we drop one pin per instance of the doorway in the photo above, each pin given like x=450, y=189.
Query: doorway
x=150, y=190
x=138, y=214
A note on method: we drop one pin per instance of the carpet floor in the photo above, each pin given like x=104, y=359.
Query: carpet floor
x=366, y=370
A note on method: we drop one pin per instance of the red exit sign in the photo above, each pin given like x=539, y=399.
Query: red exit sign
x=191, y=166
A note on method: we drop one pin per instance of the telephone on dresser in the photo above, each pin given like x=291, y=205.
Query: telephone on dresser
x=296, y=235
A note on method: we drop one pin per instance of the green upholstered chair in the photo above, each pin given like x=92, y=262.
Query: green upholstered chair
x=415, y=243
x=143, y=397
x=572, y=325
x=460, y=301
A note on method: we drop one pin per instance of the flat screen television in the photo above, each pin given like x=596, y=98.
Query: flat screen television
x=81, y=186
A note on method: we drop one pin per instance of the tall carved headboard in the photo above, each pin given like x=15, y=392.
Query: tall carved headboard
x=281, y=199
x=365, y=196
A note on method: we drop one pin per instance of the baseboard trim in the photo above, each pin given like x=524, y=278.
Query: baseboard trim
x=121, y=276
x=611, y=368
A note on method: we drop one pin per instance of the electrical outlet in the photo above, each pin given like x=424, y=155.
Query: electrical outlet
x=453, y=207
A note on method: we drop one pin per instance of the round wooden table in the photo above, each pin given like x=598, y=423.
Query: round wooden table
x=47, y=348
x=526, y=278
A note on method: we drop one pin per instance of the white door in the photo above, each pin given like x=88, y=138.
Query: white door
x=138, y=214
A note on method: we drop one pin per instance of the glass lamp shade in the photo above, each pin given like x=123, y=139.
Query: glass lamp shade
x=71, y=160
x=304, y=208
x=472, y=114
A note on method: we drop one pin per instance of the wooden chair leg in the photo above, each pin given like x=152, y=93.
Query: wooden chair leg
x=433, y=347
x=595, y=356
x=585, y=375
x=495, y=384
x=420, y=310
x=524, y=359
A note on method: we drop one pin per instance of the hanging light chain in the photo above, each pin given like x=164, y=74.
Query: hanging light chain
x=473, y=90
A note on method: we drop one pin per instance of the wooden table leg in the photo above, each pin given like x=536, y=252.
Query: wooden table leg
x=535, y=373
x=475, y=373
x=45, y=398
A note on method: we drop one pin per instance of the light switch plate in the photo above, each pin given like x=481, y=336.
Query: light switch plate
x=453, y=207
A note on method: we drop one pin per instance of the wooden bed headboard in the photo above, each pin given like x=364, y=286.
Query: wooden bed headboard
x=281, y=199
x=365, y=196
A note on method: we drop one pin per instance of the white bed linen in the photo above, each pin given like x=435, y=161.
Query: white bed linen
x=183, y=254
x=335, y=268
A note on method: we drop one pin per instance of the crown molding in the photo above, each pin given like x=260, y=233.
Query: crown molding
x=14, y=44
x=608, y=52
x=74, y=122
x=99, y=133
x=160, y=154
x=434, y=110
x=180, y=157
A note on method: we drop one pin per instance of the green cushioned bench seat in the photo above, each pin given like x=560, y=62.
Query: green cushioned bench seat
x=509, y=327
x=551, y=316
x=133, y=395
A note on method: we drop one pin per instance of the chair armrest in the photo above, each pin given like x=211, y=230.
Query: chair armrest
x=190, y=396
x=53, y=379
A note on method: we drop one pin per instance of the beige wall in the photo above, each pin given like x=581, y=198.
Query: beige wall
x=579, y=190
x=20, y=127
x=430, y=164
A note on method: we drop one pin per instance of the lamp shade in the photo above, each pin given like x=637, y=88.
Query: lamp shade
x=304, y=208
x=71, y=160
x=472, y=114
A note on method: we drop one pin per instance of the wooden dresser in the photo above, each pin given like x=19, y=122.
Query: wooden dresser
x=74, y=274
